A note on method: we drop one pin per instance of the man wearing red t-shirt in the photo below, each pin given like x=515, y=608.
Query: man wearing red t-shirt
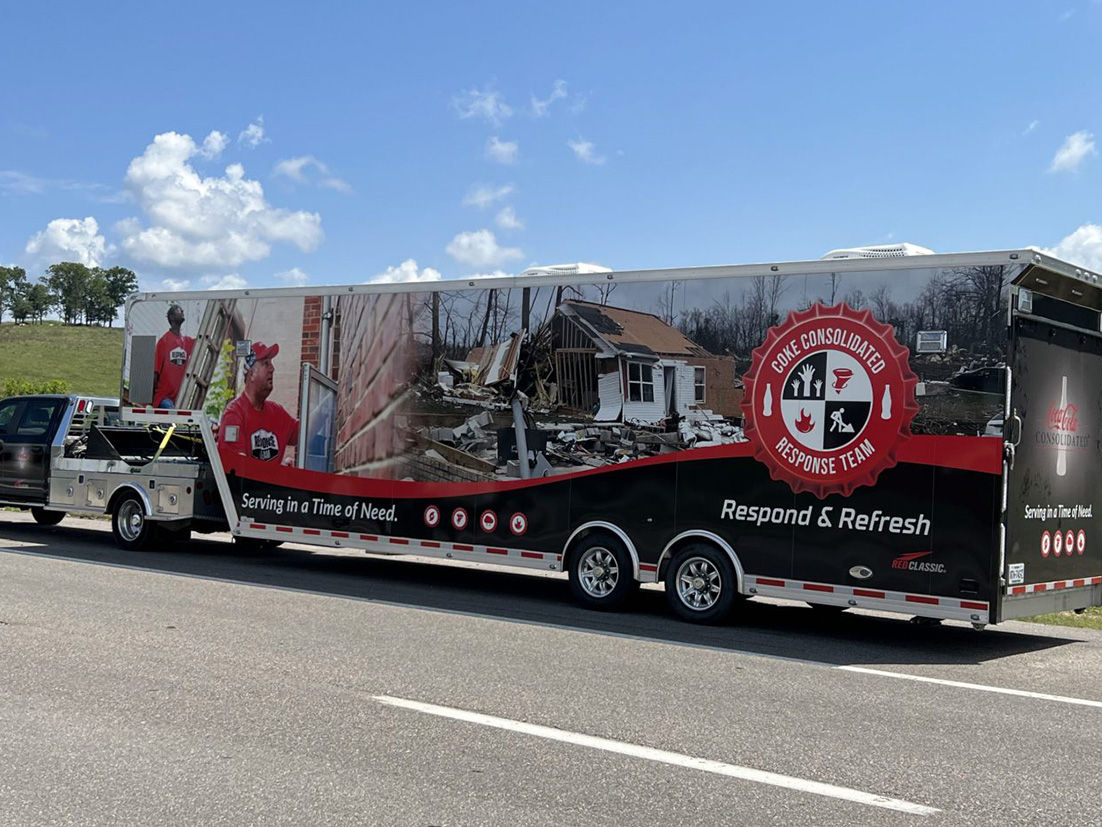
x=170, y=360
x=251, y=425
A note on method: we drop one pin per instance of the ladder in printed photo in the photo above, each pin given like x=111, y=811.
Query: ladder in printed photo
x=217, y=325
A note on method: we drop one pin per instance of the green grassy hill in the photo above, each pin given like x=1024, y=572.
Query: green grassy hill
x=87, y=359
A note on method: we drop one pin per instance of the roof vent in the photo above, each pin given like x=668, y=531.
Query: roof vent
x=575, y=269
x=879, y=251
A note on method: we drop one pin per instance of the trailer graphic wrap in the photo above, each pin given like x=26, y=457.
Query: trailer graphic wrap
x=838, y=434
x=828, y=397
x=1056, y=478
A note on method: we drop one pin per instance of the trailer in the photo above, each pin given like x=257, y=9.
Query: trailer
x=912, y=433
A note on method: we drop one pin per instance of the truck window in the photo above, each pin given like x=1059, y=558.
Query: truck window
x=37, y=417
x=7, y=415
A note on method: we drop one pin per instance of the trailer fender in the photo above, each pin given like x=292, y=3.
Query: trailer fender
x=600, y=525
x=711, y=539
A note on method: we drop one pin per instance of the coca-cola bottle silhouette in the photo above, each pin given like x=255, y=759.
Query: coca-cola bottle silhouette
x=1061, y=445
x=886, y=403
x=767, y=403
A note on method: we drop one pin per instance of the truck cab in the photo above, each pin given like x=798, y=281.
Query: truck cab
x=32, y=430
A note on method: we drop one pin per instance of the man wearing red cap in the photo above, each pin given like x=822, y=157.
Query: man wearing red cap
x=170, y=360
x=251, y=425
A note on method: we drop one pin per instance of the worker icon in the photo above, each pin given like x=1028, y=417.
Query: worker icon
x=839, y=425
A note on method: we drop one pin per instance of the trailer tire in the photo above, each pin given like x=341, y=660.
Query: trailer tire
x=130, y=525
x=44, y=516
x=701, y=585
x=602, y=575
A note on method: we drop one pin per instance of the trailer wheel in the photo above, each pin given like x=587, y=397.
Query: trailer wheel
x=601, y=572
x=43, y=516
x=700, y=584
x=129, y=526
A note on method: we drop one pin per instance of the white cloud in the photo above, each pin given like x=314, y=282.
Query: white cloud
x=504, y=152
x=406, y=271
x=213, y=144
x=1076, y=148
x=230, y=281
x=483, y=195
x=1032, y=125
x=480, y=249
x=1082, y=247
x=252, y=135
x=19, y=183
x=14, y=182
x=507, y=219
x=208, y=223
x=585, y=151
x=68, y=239
x=540, y=107
x=293, y=277
x=295, y=169
x=482, y=103
x=175, y=285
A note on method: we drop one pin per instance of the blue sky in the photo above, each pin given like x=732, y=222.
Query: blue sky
x=266, y=144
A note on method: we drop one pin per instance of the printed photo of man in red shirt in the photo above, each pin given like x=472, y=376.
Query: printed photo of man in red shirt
x=251, y=425
x=170, y=360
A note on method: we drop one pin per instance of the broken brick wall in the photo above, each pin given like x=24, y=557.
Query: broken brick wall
x=720, y=393
x=312, y=321
x=373, y=350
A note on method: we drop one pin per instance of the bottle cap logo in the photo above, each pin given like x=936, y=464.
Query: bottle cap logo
x=828, y=397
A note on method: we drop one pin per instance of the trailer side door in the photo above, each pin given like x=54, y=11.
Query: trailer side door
x=1053, y=531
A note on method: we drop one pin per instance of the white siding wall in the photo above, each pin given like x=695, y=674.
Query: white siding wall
x=685, y=388
x=645, y=411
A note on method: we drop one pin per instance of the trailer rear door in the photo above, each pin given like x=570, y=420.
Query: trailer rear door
x=1053, y=555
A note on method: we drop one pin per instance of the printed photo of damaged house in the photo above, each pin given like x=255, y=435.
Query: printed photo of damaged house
x=629, y=366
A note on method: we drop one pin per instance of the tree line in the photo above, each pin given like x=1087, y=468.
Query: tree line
x=968, y=303
x=77, y=293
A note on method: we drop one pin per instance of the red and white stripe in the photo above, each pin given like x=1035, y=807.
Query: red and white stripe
x=1054, y=585
x=148, y=414
x=407, y=545
x=857, y=596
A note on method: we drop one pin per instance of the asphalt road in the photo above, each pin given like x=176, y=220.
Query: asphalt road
x=209, y=686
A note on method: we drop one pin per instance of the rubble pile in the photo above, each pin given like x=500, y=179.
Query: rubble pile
x=477, y=443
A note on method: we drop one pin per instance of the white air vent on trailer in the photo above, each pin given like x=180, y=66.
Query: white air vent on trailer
x=879, y=251
x=577, y=268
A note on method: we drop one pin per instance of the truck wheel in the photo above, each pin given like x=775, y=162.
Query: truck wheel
x=601, y=575
x=700, y=584
x=44, y=517
x=129, y=526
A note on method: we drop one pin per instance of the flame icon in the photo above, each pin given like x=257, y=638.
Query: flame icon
x=804, y=423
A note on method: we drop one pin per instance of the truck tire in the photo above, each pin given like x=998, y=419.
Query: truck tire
x=44, y=517
x=701, y=585
x=129, y=524
x=601, y=572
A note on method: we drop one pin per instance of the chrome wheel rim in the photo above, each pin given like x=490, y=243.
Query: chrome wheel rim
x=699, y=583
x=598, y=572
x=131, y=520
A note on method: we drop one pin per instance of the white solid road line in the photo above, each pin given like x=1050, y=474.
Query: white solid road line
x=664, y=757
x=1022, y=693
